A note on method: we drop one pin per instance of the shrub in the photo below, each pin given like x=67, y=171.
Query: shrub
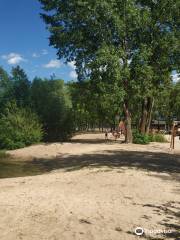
x=158, y=137
x=151, y=137
x=19, y=127
x=139, y=138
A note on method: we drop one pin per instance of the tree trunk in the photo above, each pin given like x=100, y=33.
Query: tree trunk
x=147, y=106
x=128, y=133
x=149, y=116
x=144, y=116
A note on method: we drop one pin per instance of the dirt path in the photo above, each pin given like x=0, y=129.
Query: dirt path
x=97, y=191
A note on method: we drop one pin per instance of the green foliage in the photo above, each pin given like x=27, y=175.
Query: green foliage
x=175, y=100
x=129, y=47
x=157, y=138
x=4, y=80
x=151, y=137
x=14, y=88
x=51, y=101
x=5, y=88
x=18, y=128
x=21, y=87
x=139, y=138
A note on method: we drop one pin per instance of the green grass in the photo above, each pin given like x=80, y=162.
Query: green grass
x=10, y=167
x=3, y=154
x=158, y=137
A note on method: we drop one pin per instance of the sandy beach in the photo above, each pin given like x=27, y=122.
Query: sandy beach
x=94, y=190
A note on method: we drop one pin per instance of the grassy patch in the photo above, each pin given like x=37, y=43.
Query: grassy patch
x=11, y=167
x=157, y=138
x=4, y=155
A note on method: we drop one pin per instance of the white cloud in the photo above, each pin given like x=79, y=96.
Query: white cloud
x=13, y=58
x=44, y=52
x=35, y=55
x=53, y=64
x=73, y=74
x=72, y=64
x=40, y=53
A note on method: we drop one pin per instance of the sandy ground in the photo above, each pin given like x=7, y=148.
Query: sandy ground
x=97, y=191
x=90, y=143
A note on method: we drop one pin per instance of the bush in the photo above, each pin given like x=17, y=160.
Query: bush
x=18, y=128
x=157, y=138
x=151, y=137
x=139, y=138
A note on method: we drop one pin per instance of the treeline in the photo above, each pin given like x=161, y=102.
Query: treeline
x=35, y=111
x=97, y=106
x=50, y=110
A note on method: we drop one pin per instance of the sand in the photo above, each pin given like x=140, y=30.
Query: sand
x=97, y=191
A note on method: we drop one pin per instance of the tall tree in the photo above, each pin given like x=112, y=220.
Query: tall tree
x=159, y=50
x=97, y=35
x=21, y=86
x=114, y=40
x=51, y=102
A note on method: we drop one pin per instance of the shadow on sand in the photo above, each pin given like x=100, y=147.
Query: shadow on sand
x=97, y=141
x=152, y=162
x=171, y=212
x=148, y=161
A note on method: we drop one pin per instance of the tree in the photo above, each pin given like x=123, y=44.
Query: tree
x=21, y=86
x=94, y=105
x=97, y=35
x=128, y=44
x=158, y=51
x=51, y=102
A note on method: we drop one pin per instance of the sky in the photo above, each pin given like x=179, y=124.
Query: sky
x=24, y=41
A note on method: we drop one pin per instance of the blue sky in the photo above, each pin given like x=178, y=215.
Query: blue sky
x=24, y=41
